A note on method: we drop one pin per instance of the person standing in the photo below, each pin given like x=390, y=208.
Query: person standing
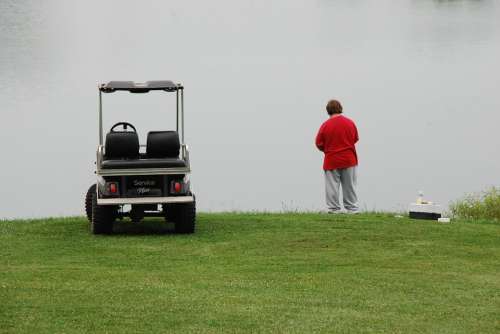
x=336, y=138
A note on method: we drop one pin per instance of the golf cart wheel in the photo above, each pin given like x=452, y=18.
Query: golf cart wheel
x=185, y=218
x=103, y=217
x=88, y=202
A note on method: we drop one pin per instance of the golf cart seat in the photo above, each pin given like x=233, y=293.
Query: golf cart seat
x=122, y=145
x=162, y=151
x=143, y=163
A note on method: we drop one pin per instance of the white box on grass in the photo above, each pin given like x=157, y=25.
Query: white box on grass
x=425, y=211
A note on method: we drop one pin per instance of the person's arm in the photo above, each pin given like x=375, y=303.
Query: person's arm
x=320, y=141
x=356, y=137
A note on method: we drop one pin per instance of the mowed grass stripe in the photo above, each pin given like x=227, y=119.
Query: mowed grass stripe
x=289, y=273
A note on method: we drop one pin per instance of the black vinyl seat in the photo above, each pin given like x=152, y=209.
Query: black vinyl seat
x=143, y=163
x=163, y=144
x=122, y=145
x=162, y=151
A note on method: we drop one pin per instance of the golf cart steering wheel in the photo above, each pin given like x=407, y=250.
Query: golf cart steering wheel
x=124, y=126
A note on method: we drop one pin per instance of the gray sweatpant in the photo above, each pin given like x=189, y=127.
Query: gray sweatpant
x=347, y=178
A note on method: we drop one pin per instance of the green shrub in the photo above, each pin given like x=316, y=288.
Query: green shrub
x=484, y=205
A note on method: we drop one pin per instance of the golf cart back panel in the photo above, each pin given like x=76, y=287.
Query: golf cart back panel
x=152, y=178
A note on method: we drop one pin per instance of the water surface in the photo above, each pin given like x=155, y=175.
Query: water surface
x=419, y=77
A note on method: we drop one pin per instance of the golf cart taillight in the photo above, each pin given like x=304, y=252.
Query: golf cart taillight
x=178, y=187
x=113, y=188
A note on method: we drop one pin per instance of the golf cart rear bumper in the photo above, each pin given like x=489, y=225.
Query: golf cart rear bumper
x=145, y=200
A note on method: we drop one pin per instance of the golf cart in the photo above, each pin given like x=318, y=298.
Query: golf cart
x=138, y=181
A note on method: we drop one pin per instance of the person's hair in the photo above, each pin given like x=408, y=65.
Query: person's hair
x=333, y=107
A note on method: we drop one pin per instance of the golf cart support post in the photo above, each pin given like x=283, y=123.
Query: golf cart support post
x=132, y=87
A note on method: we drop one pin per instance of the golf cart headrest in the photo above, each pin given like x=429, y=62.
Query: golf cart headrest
x=122, y=145
x=163, y=144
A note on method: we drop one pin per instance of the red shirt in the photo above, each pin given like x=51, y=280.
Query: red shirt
x=336, y=138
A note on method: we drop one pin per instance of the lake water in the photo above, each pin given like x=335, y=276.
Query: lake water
x=420, y=78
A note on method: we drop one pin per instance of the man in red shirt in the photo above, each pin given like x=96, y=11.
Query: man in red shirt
x=336, y=138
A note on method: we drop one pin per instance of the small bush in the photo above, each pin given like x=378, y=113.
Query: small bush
x=484, y=205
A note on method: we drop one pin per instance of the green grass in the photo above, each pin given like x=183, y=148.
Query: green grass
x=279, y=273
x=484, y=205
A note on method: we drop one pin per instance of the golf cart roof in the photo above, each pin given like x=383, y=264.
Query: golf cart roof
x=139, y=87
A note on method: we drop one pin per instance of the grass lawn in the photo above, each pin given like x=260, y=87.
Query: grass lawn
x=283, y=273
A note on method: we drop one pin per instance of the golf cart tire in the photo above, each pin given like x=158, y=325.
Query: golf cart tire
x=88, y=202
x=183, y=215
x=103, y=217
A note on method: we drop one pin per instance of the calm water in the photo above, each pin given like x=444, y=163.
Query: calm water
x=420, y=78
